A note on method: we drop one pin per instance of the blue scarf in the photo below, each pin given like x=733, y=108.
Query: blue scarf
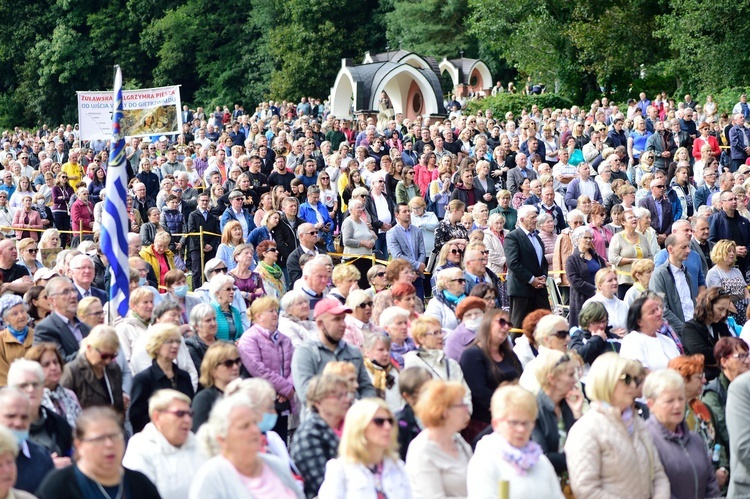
x=451, y=298
x=19, y=335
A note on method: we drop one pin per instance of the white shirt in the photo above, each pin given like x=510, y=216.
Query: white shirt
x=683, y=290
x=383, y=213
x=616, y=310
x=654, y=352
x=588, y=188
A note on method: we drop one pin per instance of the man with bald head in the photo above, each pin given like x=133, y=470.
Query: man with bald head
x=672, y=281
x=307, y=235
x=16, y=278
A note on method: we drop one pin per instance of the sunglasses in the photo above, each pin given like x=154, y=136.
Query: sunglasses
x=365, y=304
x=105, y=356
x=459, y=280
x=222, y=269
x=230, y=363
x=659, y=186
x=313, y=233
x=380, y=422
x=181, y=414
x=272, y=250
x=562, y=334
x=380, y=274
x=629, y=379
x=455, y=251
x=32, y=250
x=505, y=323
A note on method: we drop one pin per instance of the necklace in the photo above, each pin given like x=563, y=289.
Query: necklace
x=120, y=489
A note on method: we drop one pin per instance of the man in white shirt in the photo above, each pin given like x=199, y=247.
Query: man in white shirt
x=672, y=281
x=381, y=210
x=563, y=173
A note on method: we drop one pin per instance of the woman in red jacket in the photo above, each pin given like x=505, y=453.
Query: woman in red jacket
x=82, y=216
x=26, y=218
x=705, y=138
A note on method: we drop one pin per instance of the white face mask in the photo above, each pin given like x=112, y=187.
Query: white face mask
x=473, y=324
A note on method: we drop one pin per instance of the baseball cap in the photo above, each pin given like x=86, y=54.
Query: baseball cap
x=44, y=274
x=236, y=194
x=330, y=306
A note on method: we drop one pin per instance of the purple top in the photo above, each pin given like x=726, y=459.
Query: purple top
x=458, y=341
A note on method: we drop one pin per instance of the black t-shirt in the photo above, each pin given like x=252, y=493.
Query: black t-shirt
x=454, y=147
x=14, y=272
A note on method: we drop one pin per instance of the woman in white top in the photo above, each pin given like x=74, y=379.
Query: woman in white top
x=509, y=455
x=368, y=465
x=438, y=457
x=358, y=238
x=645, y=343
x=606, y=293
x=426, y=221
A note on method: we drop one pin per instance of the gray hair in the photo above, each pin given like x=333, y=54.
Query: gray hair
x=200, y=312
x=218, y=422
x=165, y=306
x=542, y=218
x=661, y=381
x=217, y=282
x=546, y=327
x=305, y=227
x=258, y=390
x=575, y=214
x=21, y=366
x=357, y=297
x=526, y=210
x=390, y=314
x=579, y=233
x=292, y=298
x=355, y=203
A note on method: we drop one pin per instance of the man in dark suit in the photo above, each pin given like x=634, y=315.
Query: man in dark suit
x=527, y=267
x=187, y=115
x=307, y=236
x=661, y=217
x=61, y=326
x=202, y=218
x=700, y=243
x=83, y=272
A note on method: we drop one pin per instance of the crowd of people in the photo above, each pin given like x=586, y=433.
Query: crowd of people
x=553, y=304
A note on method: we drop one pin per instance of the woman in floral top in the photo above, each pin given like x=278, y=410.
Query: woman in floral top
x=451, y=228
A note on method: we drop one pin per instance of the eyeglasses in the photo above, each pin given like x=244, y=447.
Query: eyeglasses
x=112, y=437
x=365, y=304
x=460, y=280
x=434, y=333
x=181, y=414
x=313, y=233
x=34, y=385
x=659, y=186
x=742, y=357
x=523, y=425
x=562, y=333
x=380, y=422
x=230, y=363
x=65, y=292
x=629, y=379
x=105, y=356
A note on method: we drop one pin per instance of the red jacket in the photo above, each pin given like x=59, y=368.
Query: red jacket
x=82, y=216
x=35, y=222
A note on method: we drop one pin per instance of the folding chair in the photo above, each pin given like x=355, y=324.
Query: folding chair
x=556, y=299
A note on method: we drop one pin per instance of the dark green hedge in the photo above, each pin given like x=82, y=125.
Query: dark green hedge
x=502, y=103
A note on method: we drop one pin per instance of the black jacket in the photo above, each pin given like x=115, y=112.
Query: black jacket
x=373, y=211
x=408, y=429
x=57, y=428
x=52, y=328
x=696, y=339
x=148, y=382
x=194, y=222
x=590, y=347
x=546, y=433
x=285, y=235
x=202, y=405
x=63, y=484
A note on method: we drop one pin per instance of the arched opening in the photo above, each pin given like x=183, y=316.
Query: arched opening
x=410, y=92
x=342, y=95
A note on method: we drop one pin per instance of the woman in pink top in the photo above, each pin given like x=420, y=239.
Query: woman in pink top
x=426, y=171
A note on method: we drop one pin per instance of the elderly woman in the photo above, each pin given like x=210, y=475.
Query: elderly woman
x=732, y=356
x=316, y=440
x=707, y=327
x=395, y=322
x=564, y=248
x=606, y=293
x=377, y=280
x=220, y=366
x=203, y=325
x=238, y=467
x=358, y=323
x=166, y=451
x=581, y=267
x=424, y=220
x=469, y=312
x=267, y=354
x=682, y=453
x=550, y=334
x=698, y=417
x=560, y=405
x=450, y=228
x=27, y=252
x=159, y=256
x=508, y=453
x=175, y=283
x=246, y=280
x=17, y=338
x=594, y=469
x=228, y=320
x=643, y=217
x=357, y=237
x=399, y=271
x=627, y=247
x=494, y=240
x=438, y=457
x=486, y=364
x=94, y=369
x=376, y=349
x=82, y=216
x=55, y=397
x=592, y=337
x=99, y=446
x=136, y=321
x=640, y=271
x=162, y=346
x=545, y=224
x=345, y=278
x=449, y=291
x=294, y=319
x=368, y=464
x=274, y=282
x=48, y=429
x=8, y=472
x=645, y=343
x=26, y=218
x=526, y=347
x=729, y=278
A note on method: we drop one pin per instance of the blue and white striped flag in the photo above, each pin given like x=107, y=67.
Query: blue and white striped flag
x=114, y=241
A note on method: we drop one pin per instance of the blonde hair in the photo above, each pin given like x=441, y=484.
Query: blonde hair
x=354, y=447
x=261, y=305
x=160, y=400
x=339, y=368
x=216, y=353
x=421, y=325
x=552, y=363
x=159, y=333
x=721, y=249
x=85, y=303
x=604, y=375
x=256, y=389
x=101, y=336
x=513, y=397
x=343, y=272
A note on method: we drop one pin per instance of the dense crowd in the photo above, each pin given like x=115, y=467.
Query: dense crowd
x=547, y=305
